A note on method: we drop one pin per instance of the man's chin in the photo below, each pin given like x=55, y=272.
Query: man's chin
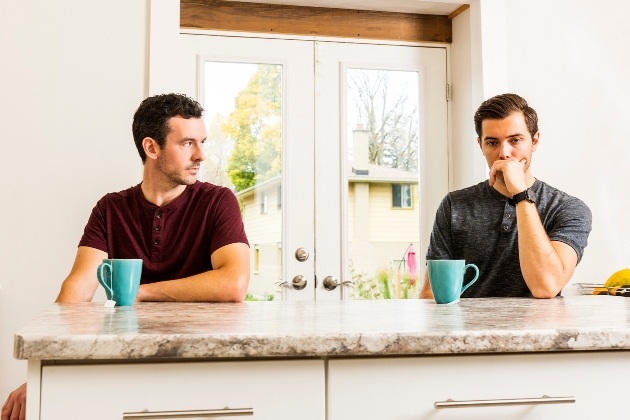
x=184, y=180
x=189, y=181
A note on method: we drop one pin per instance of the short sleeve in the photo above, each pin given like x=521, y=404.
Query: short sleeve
x=572, y=224
x=227, y=227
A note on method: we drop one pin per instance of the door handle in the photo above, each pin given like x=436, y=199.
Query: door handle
x=545, y=399
x=154, y=415
x=298, y=283
x=331, y=282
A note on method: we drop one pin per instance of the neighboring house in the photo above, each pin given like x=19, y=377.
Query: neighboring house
x=383, y=213
x=261, y=207
x=383, y=220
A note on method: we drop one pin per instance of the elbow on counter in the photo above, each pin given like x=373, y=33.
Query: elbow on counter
x=238, y=292
x=545, y=293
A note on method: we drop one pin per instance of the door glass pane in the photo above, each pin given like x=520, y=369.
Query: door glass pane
x=243, y=103
x=382, y=190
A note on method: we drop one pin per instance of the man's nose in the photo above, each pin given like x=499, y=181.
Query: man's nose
x=506, y=151
x=199, y=154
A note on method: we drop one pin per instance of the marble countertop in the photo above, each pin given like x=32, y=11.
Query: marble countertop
x=89, y=331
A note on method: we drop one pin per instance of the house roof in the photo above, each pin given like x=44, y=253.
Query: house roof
x=373, y=173
x=247, y=191
x=378, y=173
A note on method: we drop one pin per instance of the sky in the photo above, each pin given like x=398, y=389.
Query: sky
x=222, y=82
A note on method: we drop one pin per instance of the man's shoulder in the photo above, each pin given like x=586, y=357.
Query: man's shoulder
x=555, y=196
x=206, y=193
x=209, y=189
x=476, y=190
x=123, y=195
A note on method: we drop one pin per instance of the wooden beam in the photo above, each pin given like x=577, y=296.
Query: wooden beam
x=313, y=21
x=458, y=11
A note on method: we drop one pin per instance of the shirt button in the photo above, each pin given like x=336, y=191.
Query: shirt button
x=158, y=215
x=157, y=228
x=505, y=227
x=508, y=215
x=156, y=242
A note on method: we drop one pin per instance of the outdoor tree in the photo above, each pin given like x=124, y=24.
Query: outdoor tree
x=255, y=125
x=390, y=117
x=218, y=149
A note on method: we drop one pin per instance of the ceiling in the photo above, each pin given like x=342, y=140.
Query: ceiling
x=438, y=7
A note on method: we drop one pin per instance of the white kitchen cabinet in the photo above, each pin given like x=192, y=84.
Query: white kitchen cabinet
x=279, y=389
x=407, y=388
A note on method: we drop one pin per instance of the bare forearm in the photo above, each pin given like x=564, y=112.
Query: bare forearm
x=81, y=283
x=76, y=290
x=543, y=268
x=210, y=286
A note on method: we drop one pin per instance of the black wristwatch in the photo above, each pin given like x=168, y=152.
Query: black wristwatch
x=528, y=195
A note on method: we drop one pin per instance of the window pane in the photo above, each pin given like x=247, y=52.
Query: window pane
x=406, y=196
x=396, y=200
x=243, y=103
x=383, y=145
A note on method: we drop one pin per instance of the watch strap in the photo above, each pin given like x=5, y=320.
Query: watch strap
x=528, y=195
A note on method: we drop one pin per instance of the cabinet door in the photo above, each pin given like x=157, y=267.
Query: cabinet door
x=269, y=389
x=407, y=388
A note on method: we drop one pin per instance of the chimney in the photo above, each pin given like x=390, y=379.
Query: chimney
x=360, y=147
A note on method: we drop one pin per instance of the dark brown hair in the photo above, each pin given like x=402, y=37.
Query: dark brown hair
x=502, y=106
x=152, y=116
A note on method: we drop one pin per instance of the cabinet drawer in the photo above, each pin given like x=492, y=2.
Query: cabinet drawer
x=271, y=389
x=407, y=388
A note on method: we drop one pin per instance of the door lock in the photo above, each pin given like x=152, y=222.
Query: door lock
x=301, y=254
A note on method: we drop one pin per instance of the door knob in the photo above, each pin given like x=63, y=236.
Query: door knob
x=298, y=282
x=331, y=282
x=301, y=254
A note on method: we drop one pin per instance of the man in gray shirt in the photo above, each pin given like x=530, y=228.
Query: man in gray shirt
x=525, y=236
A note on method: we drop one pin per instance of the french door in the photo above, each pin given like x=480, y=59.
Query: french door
x=337, y=153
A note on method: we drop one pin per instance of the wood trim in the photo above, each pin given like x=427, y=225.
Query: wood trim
x=313, y=21
x=458, y=11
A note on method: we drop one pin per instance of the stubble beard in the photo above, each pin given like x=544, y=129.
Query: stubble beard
x=175, y=177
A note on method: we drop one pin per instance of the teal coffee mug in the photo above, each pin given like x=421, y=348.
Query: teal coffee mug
x=446, y=278
x=121, y=279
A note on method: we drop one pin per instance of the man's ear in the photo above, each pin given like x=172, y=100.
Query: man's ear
x=151, y=148
x=535, y=140
x=479, y=143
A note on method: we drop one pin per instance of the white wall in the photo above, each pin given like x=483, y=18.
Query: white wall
x=72, y=72
x=570, y=59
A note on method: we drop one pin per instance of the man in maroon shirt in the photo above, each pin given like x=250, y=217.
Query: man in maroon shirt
x=189, y=234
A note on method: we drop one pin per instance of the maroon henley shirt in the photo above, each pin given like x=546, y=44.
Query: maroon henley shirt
x=174, y=241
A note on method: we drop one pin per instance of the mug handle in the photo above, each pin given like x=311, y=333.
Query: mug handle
x=474, y=267
x=104, y=279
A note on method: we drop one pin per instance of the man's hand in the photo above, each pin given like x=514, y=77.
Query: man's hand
x=426, y=292
x=15, y=406
x=510, y=173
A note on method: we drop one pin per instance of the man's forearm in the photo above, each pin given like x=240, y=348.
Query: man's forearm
x=226, y=282
x=545, y=270
x=211, y=286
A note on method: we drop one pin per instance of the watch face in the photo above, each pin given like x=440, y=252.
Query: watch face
x=531, y=195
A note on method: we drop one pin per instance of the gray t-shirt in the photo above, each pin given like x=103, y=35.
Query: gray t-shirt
x=478, y=224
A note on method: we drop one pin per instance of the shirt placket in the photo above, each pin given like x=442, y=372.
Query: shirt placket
x=157, y=230
x=509, y=215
